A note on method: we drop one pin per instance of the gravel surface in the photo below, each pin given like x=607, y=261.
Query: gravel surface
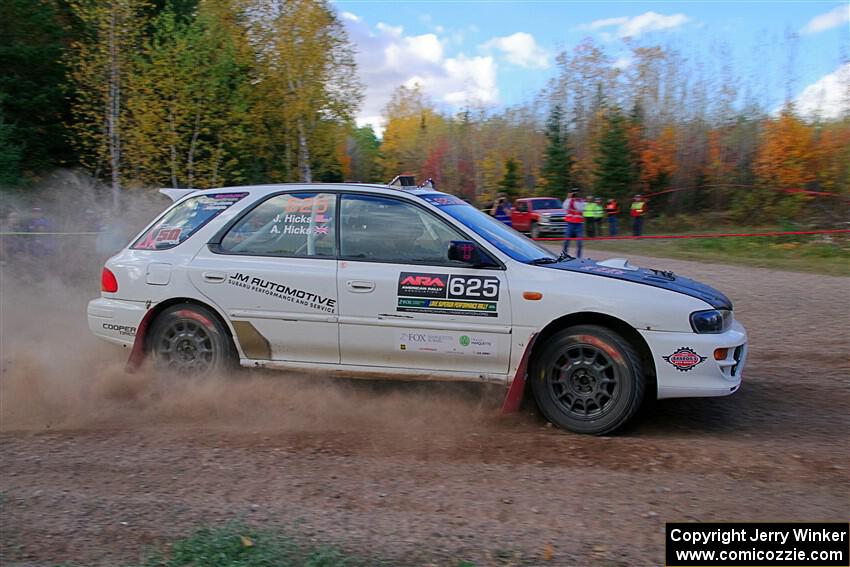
x=97, y=466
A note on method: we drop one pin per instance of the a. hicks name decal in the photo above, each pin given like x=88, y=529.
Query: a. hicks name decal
x=284, y=292
x=448, y=294
x=684, y=359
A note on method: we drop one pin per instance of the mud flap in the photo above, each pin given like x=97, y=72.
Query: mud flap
x=137, y=354
x=513, y=399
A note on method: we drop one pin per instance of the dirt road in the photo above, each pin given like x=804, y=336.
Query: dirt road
x=96, y=466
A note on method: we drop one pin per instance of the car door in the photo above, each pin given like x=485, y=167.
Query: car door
x=403, y=304
x=274, y=273
x=521, y=217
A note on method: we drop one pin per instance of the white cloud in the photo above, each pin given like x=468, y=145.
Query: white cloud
x=388, y=58
x=832, y=19
x=827, y=97
x=350, y=17
x=638, y=25
x=520, y=49
x=623, y=63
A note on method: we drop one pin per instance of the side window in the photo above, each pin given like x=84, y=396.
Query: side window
x=523, y=206
x=294, y=224
x=388, y=230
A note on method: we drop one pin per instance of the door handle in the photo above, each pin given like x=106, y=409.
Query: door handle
x=214, y=277
x=360, y=286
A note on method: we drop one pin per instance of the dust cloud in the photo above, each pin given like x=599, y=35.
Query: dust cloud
x=54, y=375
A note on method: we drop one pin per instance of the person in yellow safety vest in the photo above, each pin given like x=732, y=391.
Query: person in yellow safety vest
x=574, y=206
x=637, y=212
x=598, y=214
x=588, y=213
x=612, y=209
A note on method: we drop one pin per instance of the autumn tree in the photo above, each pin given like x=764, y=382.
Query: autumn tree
x=307, y=78
x=658, y=160
x=412, y=127
x=558, y=160
x=187, y=99
x=101, y=63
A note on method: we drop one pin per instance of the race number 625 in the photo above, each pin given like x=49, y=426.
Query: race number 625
x=473, y=287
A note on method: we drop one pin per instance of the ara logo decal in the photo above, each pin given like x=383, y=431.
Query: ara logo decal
x=412, y=284
x=684, y=359
x=424, y=281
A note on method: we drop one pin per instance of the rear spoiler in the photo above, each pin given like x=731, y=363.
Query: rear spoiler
x=176, y=194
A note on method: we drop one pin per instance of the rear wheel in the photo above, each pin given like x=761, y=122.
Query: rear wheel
x=587, y=379
x=190, y=339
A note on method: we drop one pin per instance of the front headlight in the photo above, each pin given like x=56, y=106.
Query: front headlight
x=711, y=321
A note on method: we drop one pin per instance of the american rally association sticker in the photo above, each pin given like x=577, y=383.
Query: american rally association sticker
x=448, y=294
x=684, y=359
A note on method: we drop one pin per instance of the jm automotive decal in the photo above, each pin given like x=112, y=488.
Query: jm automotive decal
x=445, y=343
x=684, y=359
x=448, y=294
x=284, y=292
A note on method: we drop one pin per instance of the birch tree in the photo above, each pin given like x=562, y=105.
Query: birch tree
x=100, y=64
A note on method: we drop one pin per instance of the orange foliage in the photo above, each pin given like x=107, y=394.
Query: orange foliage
x=786, y=153
x=658, y=158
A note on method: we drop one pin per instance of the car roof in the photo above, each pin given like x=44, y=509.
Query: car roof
x=260, y=190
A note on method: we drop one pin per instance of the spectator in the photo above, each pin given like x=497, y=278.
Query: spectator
x=612, y=209
x=14, y=245
x=574, y=206
x=637, y=211
x=588, y=216
x=598, y=213
x=43, y=245
x=501, y=210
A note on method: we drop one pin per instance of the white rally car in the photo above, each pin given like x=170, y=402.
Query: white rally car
x=409, y=283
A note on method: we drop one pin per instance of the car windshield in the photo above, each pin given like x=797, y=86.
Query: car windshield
x=495, y=232
x=540, y=204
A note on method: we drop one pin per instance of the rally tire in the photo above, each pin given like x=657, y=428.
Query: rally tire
x=587, y=379
x=189, y=339
x=535, y=230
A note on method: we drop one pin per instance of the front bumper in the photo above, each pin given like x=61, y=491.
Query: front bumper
x=115, y=320
x=683, y=376
x=548, y=226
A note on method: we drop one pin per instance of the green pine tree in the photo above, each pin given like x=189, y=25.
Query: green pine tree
x=33, y=38
x=615, y=172
x=509, y=185
x=558, y=160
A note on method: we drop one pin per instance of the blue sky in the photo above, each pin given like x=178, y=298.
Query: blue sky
x=496, y=54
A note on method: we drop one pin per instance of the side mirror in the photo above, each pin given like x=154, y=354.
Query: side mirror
x=469, y=253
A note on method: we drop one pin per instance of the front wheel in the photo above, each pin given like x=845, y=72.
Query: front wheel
x=535, y=230
x=587, y=379
x=189, y=339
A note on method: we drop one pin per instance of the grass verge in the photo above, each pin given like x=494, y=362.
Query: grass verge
x=824, y=254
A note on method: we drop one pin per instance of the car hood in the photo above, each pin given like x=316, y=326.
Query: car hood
x=619, y=268
x=551, y=211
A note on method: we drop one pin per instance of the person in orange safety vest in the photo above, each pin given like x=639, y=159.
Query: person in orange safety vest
x=612, y=209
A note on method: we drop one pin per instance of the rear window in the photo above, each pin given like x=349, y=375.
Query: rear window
x=184, y=220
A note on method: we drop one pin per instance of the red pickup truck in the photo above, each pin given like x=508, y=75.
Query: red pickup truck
x=538, y=216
